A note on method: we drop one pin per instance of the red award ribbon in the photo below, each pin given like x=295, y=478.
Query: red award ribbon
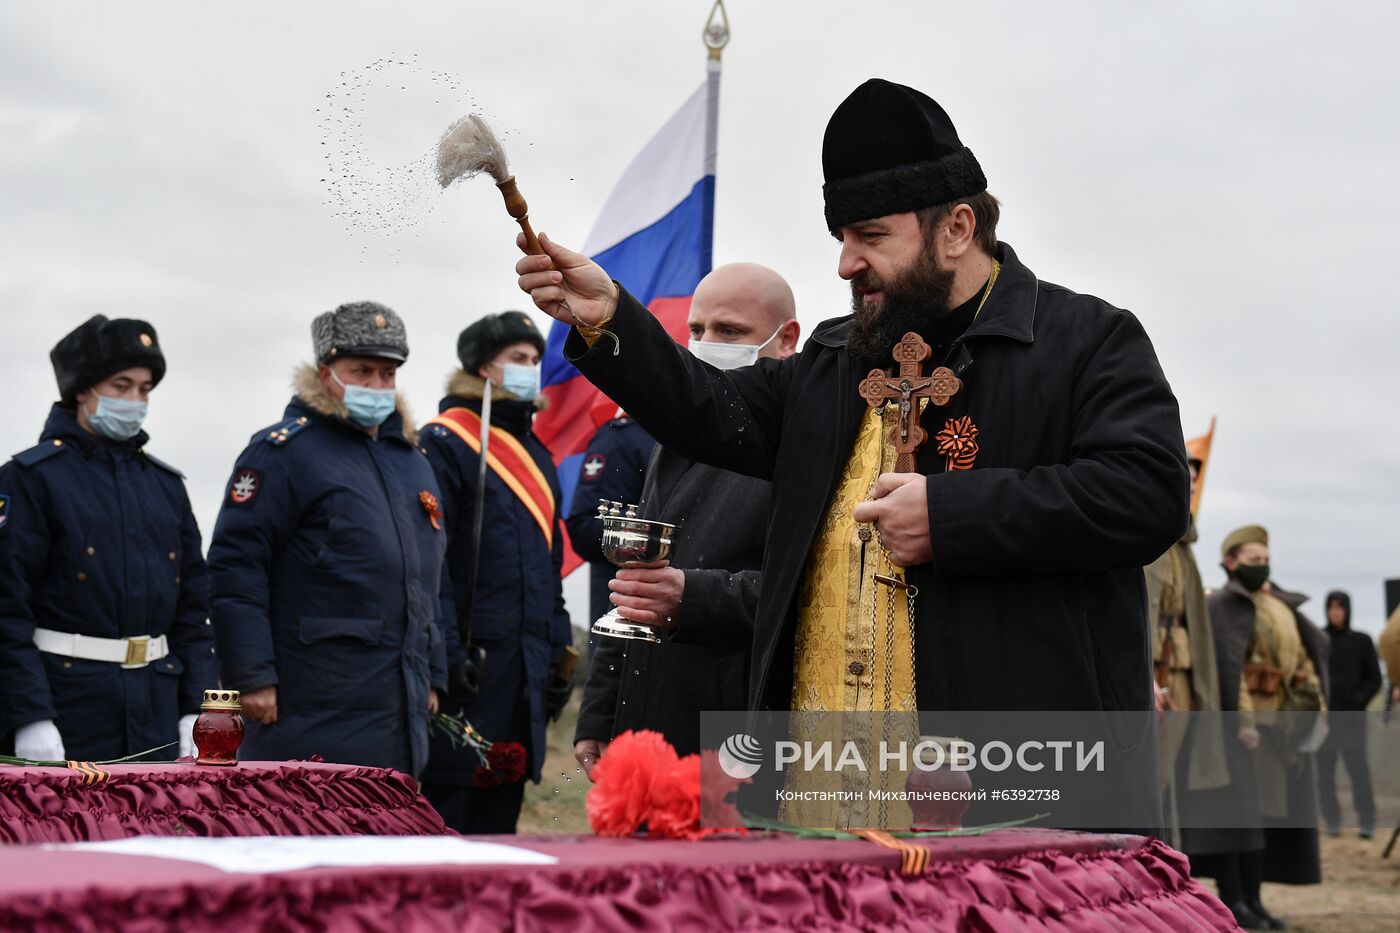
x=430, y=505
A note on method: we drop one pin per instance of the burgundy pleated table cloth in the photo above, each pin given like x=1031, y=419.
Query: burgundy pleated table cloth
x=1006, y=881
x=249, y=799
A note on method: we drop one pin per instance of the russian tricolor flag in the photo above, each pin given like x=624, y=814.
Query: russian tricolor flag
x=654, y=236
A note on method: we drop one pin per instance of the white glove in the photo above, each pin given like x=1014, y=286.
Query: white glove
x=187, y=749
x=39, y=741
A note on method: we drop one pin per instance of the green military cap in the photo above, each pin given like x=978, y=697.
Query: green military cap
x=1249, y=534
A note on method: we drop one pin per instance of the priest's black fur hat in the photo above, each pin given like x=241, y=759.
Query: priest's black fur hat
x=101, y=346
x=485, y=338
x=889, y=149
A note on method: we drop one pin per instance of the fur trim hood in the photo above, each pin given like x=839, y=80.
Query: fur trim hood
x=311, y=390
x=464, y=385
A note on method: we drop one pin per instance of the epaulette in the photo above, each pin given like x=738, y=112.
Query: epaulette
x=156, y=461
x=41, y=452
x=278, y=435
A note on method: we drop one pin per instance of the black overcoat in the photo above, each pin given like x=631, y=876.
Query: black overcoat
x=1034, y=598
x=720, y=520
x=1291, y=851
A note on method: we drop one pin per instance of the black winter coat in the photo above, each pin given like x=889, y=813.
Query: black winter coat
x=720, y=520
x=325, y=572
x=1291, y=855
x=97, y=538
x=1034, y=598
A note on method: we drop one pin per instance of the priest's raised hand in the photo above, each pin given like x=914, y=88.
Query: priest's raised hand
x=898, y=507
x=562, y=281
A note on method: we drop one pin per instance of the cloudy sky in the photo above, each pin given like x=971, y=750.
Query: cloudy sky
x=1226, y=171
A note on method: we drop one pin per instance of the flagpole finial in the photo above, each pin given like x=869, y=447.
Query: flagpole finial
x=716, y=34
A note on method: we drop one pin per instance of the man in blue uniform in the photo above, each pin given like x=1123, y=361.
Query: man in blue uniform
x=516, y=614
x=105, y=649
x=613, y=469
x=325, y=562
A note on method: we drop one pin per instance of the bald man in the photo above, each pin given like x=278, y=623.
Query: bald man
x=707, y=598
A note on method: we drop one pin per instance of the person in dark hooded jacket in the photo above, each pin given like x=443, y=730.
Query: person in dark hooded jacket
x=326, y=560
x=105, y=647
x=1355, y=677
x=514, y=621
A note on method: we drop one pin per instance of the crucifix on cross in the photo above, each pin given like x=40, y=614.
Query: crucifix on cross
x=907, y=387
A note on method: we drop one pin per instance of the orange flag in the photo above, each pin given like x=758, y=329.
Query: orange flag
x=1198, y=449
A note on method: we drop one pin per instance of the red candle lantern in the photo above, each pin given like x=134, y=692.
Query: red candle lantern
x=219, y=730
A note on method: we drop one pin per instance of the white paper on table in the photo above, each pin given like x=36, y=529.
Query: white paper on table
x=261, y=854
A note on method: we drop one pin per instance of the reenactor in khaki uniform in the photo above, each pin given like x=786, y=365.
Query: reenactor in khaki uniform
x=1270, y=657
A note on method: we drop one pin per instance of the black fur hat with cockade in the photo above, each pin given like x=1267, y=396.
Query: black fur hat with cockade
x=101, y=346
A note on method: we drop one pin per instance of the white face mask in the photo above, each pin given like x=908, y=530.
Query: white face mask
x=730, y=355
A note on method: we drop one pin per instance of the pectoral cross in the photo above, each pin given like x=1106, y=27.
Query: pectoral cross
x=907, y=388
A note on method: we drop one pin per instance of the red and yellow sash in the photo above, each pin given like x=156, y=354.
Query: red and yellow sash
x=510, y=461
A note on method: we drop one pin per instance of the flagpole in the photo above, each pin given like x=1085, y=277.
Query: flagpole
x=715, y=36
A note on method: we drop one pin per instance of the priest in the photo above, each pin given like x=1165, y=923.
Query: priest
x=969, y=470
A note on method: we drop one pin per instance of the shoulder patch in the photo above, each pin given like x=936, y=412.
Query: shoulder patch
x=41, y=452
x=593, y=467
x=4, y=509
x=156, y=461
x=278, y=435
x=244, y=487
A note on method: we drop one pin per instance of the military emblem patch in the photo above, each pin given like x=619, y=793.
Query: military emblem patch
x=4, y=509
x=244, y=487
x=593, y=466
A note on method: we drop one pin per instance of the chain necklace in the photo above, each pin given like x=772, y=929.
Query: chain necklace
x=987, y=292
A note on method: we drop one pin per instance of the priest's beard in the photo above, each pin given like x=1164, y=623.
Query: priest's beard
x=915, y=299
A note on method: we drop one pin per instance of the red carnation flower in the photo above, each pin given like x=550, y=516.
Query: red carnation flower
x=505, y=764
x=619, y=800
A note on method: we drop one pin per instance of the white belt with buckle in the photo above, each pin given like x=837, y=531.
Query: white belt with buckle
x=128, y=652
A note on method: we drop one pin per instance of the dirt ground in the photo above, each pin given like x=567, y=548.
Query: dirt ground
x=1360, y=892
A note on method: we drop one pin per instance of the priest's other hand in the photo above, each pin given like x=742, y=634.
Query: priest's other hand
x=261, y=705
x=562, y=279
x=898, y=507
x=588, y=752
x=434, y=701
x=649, y=594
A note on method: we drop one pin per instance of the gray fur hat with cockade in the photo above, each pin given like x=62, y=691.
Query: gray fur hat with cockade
x=359, y=328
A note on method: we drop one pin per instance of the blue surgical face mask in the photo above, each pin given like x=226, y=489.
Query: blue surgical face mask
x=367, y=408
x=118, y=419
x=521, y=381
